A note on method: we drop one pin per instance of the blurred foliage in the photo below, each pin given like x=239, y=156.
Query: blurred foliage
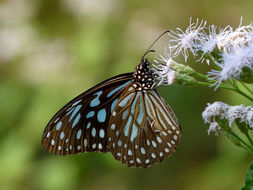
x=249, y=178
x=51, y=51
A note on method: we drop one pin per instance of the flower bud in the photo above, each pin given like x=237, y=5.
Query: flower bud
x=184, y=79
x=183, y=69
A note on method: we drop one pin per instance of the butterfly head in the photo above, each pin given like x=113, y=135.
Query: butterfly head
x=144, y=75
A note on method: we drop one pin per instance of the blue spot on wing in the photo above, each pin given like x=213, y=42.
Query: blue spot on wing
x=125, y=100
x=76, y=120
x=75, y=112
x=127, y=126
x=114, y=104
x=125, y=114
x=134, y=102
x=101, y=133
x=116, y=89
x=58, y=126
x=101, y=116
x=90, y=114
x=134, y=133
x=96, y=101
x=76, y=102
x=93, y=132
x=69, y=111
x=141, y=114
x=79, y=134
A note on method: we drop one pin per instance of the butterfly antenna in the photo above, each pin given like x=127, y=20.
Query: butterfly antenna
x=149, y=49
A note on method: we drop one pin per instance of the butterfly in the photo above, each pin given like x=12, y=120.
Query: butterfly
x=124, y=115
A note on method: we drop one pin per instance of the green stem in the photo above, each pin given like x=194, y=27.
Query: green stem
x=235, y=85
x=245, y=147
x=242, y=141
x=222, y=85
x=246, y=87
x=204, y=77
x=212, y=80
x=238, y=90
x=230, y=82
x=250, y=140
x=209, y=84
x=203, y=83
x=210, y=58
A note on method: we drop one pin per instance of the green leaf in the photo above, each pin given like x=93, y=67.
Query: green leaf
x=249, y=179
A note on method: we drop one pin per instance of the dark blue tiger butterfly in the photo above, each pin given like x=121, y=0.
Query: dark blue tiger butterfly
x=123, y=115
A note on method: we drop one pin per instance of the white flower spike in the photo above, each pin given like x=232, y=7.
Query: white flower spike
x=183, y=42
x=212, y=110
x=236, y=112
x=217, y=109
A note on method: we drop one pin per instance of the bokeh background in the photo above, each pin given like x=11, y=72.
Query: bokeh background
x=53, y=50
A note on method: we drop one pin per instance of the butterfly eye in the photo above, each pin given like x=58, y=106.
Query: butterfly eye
x=122, y=115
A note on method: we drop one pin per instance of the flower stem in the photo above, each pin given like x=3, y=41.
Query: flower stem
x=223, y=85
x=250, y=140
x=238, y=90
x=242, y=141
x=246, y=87
x=210, y=58
x=204, y=77
x=210, y=84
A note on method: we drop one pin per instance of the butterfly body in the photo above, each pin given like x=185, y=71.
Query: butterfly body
x=123, y=115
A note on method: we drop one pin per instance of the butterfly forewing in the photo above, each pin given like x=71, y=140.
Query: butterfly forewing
x=143, y=129
x=81, y=125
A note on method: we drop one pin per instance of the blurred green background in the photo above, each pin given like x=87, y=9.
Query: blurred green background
x=52, y=50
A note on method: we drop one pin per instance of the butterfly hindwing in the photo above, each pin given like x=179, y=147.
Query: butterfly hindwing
x=81, y=125
x=142, y=130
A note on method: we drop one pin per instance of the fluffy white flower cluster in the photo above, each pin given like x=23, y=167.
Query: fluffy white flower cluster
x=163, y=69
x=229, y=53
x=188, y=40
x=229, y=49
x=168, y=72
x=237, y=53
x=222, y=111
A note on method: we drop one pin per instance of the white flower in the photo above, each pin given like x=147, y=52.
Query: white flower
x=209, y=42
x=232, y=64
x=237, y=47
x=228, y=40
x=235, y=112
x=212, y=110
x=214, y=127
x=166, y=58
x=165, y=75
x=213, y=39
x=168, y=78
x=163, y=68
x=233, y=47
x=249, y=116
x=241, y=36
x=230, y=113
x=188, y=40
